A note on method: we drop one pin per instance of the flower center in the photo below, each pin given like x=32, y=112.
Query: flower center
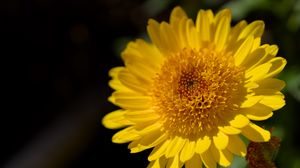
x=194, y=89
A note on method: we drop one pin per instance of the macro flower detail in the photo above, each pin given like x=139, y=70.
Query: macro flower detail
x=194, y=89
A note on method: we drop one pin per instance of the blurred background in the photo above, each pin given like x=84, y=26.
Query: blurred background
x=55, y=58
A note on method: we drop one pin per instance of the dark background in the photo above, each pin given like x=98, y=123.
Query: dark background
x=55, y=59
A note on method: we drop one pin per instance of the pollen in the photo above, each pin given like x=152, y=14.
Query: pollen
x=194, y=89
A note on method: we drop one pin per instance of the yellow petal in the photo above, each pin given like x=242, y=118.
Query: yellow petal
x=153, y=164
x=208, y=160
x=168, y=38
x=261, y=55
x=203, y=144
x=275, y=101
x=144, y=129
x=256, y=133
x=188, y=151
x=128, y=80
x=223, y=157
x=222, y=30
x=278, y=64
x=182, y=32
x=220, y=140
x=236, y=145
x=163, y=36
x=148, y=141
x=115, y=71
x=266, y=92
x=235, y=31
x=239, y=121
x=153, y=29
x=143, y=52
x=178, y=23
x=194, y=162
x=141, y=116
x=272, y=49
x=177, y=14
x=229, y=130
x=126, y=135
x=135, y=132
x=173, y=162
x=253, y=58
x=221, y=14
x=192, y=35
x=117, y=85
x=259, y=72
x=256, y=44
x=159, y=151
x=159, y=163
x=115, y=120
x=250, y=86
x=115, y=82
x=243, y=50
x=271, y=83
x=203, y=22
x=255, y=29
x=111, y=99
x=266, y=70
x=257, y=112
x=150, y=53
x=250, y=101
x=131, y=100
x=141, y=71
x=175, y=146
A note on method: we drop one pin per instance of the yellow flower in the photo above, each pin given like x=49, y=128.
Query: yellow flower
x=192, y=92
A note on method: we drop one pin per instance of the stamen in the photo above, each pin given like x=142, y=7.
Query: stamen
x=193, y=90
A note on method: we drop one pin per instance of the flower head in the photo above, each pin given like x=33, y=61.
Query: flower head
x=193, y=90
